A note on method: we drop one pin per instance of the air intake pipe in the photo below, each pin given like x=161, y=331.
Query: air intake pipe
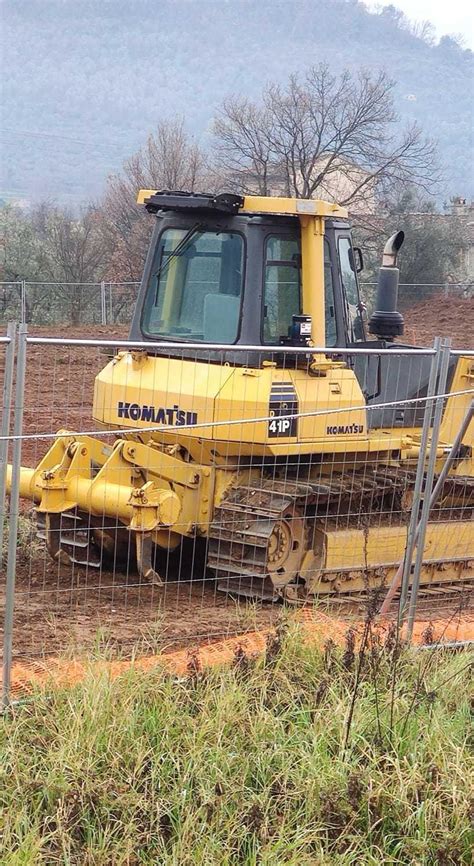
x=386, y=322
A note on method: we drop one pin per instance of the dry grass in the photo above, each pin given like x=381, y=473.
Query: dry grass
x=246, y=765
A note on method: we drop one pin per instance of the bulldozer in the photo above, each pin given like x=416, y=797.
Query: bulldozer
x=258, y=415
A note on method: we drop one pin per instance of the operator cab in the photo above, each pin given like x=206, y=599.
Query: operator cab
x=265, y=272
x=228, y=270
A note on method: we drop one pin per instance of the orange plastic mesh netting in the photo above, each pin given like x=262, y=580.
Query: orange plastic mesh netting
x=317, y=628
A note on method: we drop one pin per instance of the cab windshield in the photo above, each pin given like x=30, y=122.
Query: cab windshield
x=195, y=287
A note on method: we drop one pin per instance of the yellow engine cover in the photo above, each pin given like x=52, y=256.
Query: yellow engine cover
x=219, y=412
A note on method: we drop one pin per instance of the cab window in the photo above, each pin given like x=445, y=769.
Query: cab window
x=329, y=302
x=282, y=287
x=282, y=291
x=195, y=287
x=350, y=289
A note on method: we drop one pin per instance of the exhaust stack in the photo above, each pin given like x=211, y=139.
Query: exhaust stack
x=386, y=322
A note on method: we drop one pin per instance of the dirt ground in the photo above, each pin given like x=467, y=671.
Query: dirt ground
x=66, y=609
x=71, y=610
x=439, y=316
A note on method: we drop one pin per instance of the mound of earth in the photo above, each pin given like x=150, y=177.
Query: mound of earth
x=441, y=316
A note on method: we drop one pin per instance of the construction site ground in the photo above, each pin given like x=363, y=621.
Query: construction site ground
x=58, y=609
x=441, y=316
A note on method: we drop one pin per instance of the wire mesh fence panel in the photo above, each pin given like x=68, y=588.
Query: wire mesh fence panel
x=60, y=604
x=74, y=304
x=431, y=310
x=453, y=508
x=7, y=349
x=108, y=303
x=69, y=304
x=10, y=303
x=199, y=488
x=410, y=294
x=121, y=299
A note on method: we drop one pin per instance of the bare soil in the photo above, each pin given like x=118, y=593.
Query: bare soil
x=440, y=316
x=61, y=609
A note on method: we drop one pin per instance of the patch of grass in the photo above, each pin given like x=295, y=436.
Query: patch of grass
x=243, y=765
x=28, y=543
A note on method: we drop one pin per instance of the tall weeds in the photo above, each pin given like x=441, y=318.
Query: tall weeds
x=253, y=764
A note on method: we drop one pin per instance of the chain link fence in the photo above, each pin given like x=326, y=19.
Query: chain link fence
x=193, y=494
x=70, y=304
x=109, y=303
x=410, y=294
x=11, y=301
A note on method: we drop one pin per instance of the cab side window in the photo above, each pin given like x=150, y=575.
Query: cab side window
x=282, y=287
x=350, y=289
x=329, y=303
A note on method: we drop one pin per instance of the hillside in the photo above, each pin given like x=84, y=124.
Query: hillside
x=88, y=79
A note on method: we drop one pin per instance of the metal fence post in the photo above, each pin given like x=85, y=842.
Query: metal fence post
x=402, y=575
x=428, y=489
x=103, y=305
x=23, y=301
x=14, y=515
x=111, y=305
x=5, y=423
x=420, y=474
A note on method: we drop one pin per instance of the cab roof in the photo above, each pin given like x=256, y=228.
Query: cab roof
x=156, y=200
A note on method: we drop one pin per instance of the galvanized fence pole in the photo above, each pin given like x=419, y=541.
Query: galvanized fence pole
x=23, y=301
x=420, y=474
x=428, y=488
x=103, y=304
x=402, y=575
x=5, y=424
x=111, y=305
x=14, y=515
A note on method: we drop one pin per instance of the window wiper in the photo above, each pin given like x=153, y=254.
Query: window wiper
x=178, y=250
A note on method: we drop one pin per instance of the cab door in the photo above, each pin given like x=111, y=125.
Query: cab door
x=352, y=307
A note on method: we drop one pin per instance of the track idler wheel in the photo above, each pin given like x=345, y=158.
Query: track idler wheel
x=286, y=548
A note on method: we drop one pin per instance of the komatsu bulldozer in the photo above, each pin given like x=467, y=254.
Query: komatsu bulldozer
x=255, y=418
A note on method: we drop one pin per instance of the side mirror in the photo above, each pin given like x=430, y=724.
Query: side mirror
x=358, y=260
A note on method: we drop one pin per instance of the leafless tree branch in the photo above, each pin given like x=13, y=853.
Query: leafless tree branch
x=323, y=135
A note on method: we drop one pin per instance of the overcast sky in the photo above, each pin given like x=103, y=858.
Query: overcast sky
x=455, y=16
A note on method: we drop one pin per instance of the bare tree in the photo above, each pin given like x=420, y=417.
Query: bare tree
x=244, y=152
x=74, y=253
x=73, y=245
x=327, y=135
x=423, y=30
x=170, y=159
x=49, y=247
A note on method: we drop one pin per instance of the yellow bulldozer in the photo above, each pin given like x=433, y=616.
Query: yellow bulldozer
x=251, y=419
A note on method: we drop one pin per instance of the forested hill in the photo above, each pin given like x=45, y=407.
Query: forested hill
x=86, y=80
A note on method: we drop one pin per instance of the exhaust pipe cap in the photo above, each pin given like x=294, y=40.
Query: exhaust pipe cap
x=386, y=322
